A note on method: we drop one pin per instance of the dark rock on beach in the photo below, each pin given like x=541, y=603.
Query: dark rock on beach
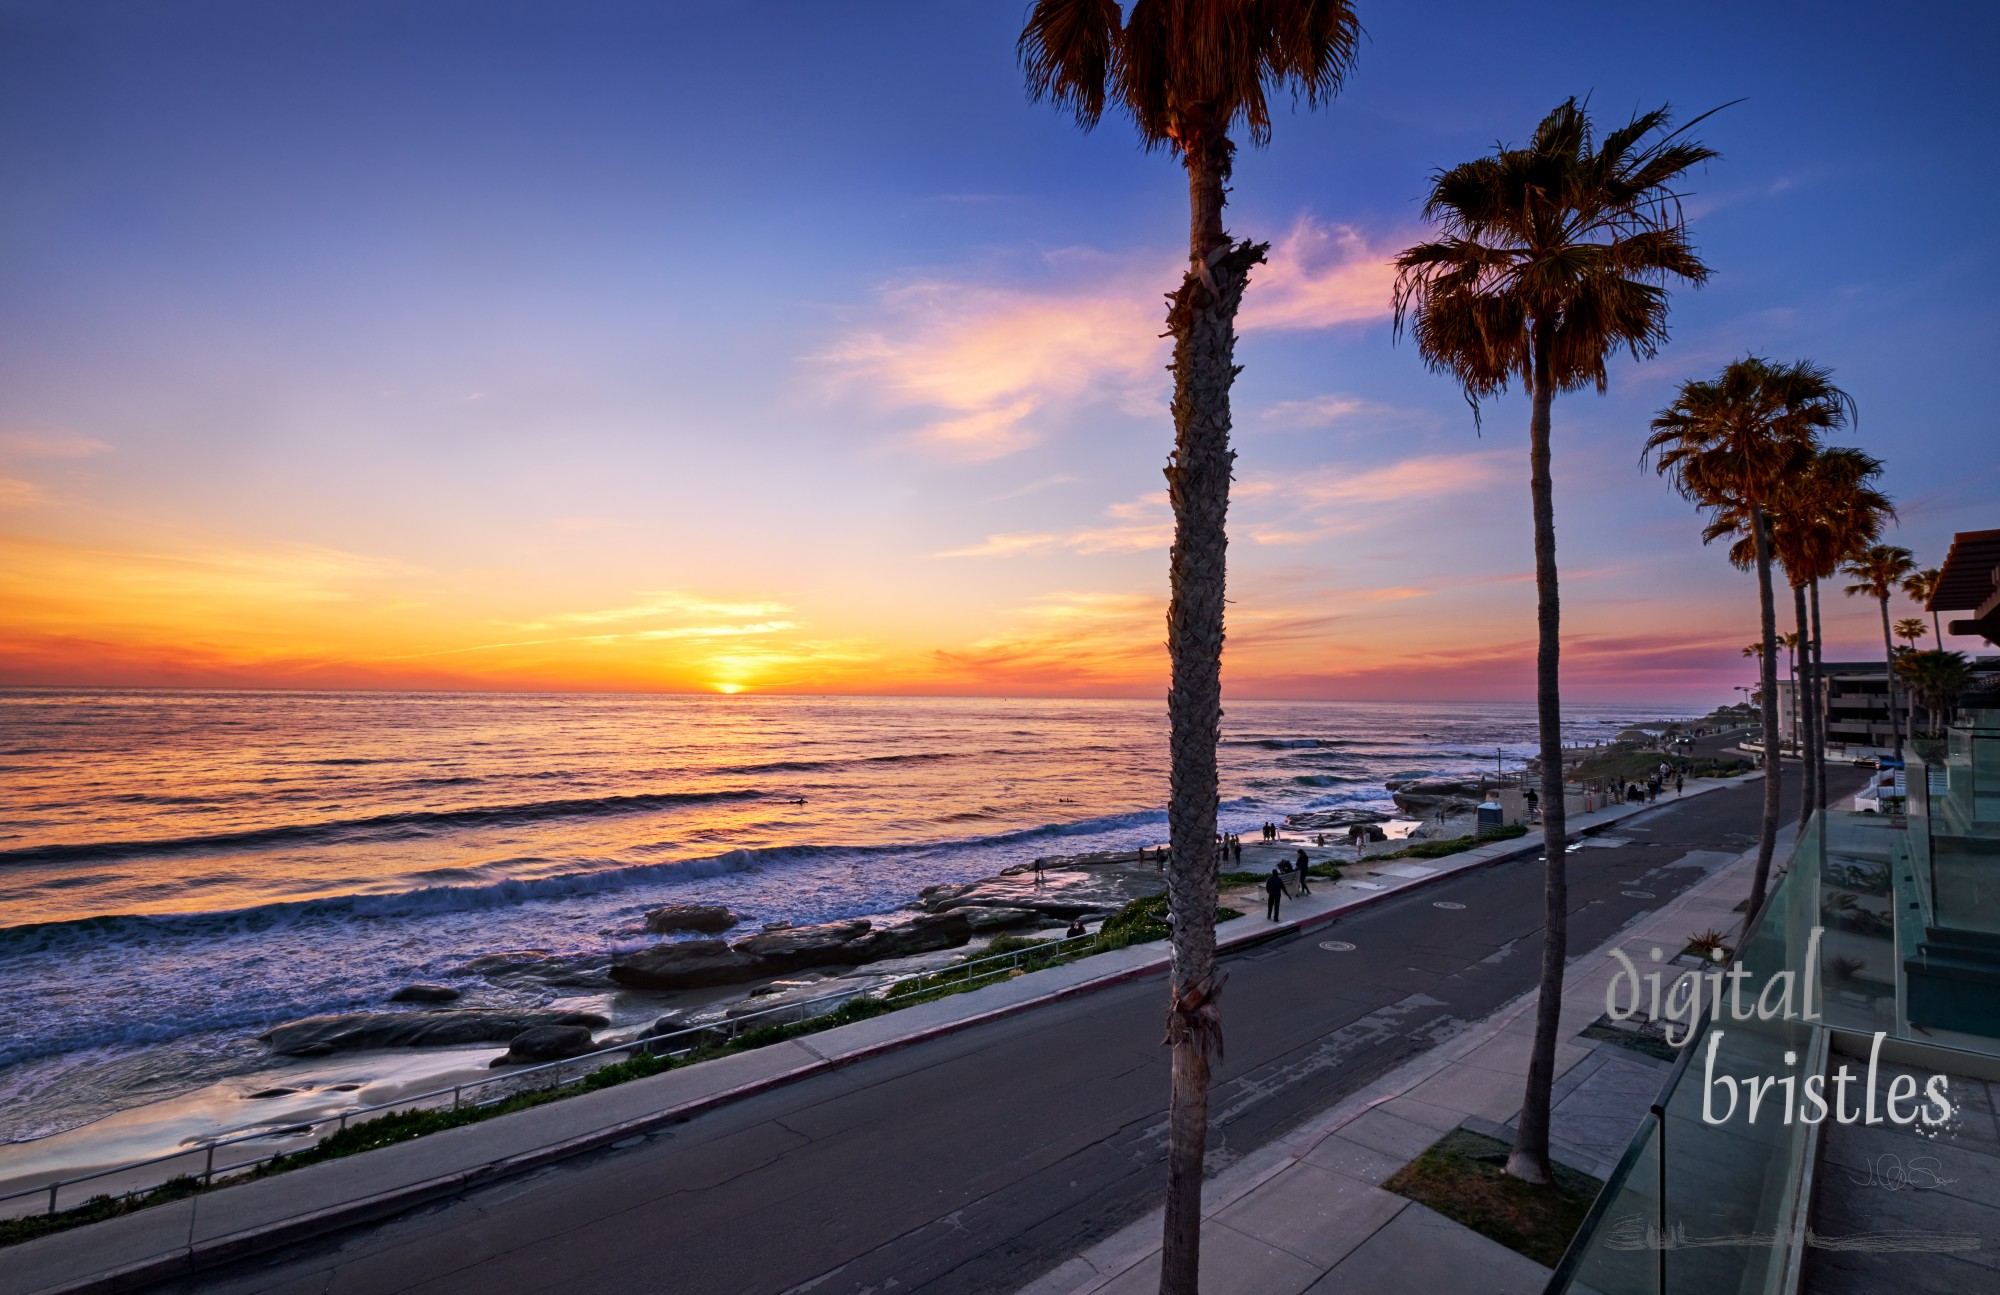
x=317, y=1036
x=695, y=964
x=690, y=964
x=1421, y=796
x=424, y=994
x=1333, y=820
x=706, y=918
x=546, y=1043
x=799, y=947
x=944, y=917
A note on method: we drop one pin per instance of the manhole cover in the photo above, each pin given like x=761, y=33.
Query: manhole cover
x=1336, y=946
x=1445, y=903
x=1637, y=894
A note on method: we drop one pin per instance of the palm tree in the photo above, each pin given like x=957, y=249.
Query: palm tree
x=1730, y=445
x=1554, y=256
x=1936, y=678
x=1910, y=629
x=1831, y=510
x=1188, y=72
x=1876, y=571
x=1920, y=586
x=1817, y=515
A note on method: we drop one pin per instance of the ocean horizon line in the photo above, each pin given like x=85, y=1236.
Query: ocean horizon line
x=751, y=695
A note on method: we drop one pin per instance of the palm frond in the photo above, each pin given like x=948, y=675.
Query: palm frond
x=1069, y=49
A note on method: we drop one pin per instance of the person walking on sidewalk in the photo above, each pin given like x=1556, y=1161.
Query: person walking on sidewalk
x=1303, y=864
x=1274, y=889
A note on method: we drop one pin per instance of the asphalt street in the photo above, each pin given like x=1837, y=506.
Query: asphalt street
x=976, y=1162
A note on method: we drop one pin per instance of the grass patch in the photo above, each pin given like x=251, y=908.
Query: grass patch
x=1145, y=919
x=94, y=1210
x=1464, y=1177
x=1458, y=845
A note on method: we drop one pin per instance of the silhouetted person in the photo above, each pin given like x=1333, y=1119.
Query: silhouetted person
x=1274, y=890
x=1303, y=864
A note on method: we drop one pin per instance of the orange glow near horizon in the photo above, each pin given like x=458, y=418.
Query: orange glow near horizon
x=205, y=614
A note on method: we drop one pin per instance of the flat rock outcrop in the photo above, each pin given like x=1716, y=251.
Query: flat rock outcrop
x=318, y=1036
x=546, y=1043
x=689, y=964
x=696, y=964
x=709, y=919
x=1421, y=796
x=1333, y=820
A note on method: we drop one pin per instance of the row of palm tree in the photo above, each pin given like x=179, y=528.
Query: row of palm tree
x=1745, y=446
x=1550, y=258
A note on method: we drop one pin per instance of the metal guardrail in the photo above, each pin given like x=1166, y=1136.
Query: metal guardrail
x=696, y=1036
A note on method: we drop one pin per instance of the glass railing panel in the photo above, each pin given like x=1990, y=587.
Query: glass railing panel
x=1724, y=1156
x=1961, y=823
x=1617, y=1250
x=1855, y=904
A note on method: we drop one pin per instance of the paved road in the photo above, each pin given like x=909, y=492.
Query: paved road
x=975, y=1163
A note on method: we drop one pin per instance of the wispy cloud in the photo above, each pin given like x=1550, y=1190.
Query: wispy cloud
x=657, y=605
x=16, y=493
x=1064, y=642
x=990, y=368
x=26, y=443
x=1322, y=411
x=1034, y=487
x=1134, y=526
x=984, y=364
x=1292, y=509
x=1320, y=276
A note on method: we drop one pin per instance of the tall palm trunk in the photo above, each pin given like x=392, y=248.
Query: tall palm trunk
x=1529, y=1159
x=1802, y=719
x=1202, y=320
x=1889, y=664
x=1818, y=701
x=1792, y=669
x=1767, y=615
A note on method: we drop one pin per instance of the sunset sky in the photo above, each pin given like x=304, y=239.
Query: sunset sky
x=788, y=347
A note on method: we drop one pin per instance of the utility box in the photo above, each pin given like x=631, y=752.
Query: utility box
x=1491, y=815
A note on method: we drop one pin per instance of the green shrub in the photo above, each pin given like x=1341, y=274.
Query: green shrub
x=1006, y=944
x=1145, y=919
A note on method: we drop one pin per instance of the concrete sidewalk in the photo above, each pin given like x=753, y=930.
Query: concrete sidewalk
x=1371, y=881
x=243, y=1219
x=1308, y=1212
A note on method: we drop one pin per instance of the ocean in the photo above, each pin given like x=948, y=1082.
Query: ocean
x=180, y=870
